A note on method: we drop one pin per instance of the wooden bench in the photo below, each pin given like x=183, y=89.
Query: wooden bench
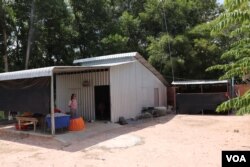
x=27, y=121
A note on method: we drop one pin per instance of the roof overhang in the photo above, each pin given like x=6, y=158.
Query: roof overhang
x=106, y=57
x=44, y=72
x=200, y=82
x=110, y=64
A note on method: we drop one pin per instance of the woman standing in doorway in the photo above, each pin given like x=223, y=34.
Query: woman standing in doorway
x=73, y=106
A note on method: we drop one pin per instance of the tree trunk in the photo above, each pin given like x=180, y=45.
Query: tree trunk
x=5, y=55
x=31, y=29
x=17, y=46
x=4, y=31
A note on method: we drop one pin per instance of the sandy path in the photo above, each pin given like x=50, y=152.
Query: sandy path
x=169, y=141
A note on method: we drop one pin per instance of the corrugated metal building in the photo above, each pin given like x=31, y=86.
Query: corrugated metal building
x=200, y=96
x=107, y=87
x=128, y=84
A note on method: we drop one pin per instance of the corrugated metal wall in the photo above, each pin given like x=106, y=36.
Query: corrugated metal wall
x=66, y=84
x=132, y=87
x=123, y=91
x=148, y=83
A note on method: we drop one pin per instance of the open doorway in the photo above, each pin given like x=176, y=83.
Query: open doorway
x=102, y=102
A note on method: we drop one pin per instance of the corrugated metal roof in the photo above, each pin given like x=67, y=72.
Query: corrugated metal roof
x=201, y=82
x=106, y=57
x=42, y=72
x=89, y=63
x=119, y=58
x=39, y=72
x=111, y=64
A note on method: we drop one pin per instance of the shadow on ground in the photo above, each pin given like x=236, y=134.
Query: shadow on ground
x=93, y=134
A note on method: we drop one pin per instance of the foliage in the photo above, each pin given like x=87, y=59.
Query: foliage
x=169, y=33
x=184, y=48
x=235, y=22
x=7, y=23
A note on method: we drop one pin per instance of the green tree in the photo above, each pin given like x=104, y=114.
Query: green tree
x=7, y=20
x=71, y=29
x=127, y=35
x=49, y=37
x=54, y=34
x=122, y=31
x=93, y=21
x=235, y=22
x=19, y=34
x=182, y=48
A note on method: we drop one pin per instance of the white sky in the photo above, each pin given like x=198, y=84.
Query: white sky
x=220, y=1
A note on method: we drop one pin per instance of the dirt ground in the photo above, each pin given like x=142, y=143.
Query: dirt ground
x=173, y=140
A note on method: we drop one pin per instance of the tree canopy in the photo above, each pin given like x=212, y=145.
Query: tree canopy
x=173, y=35
x=235, y=22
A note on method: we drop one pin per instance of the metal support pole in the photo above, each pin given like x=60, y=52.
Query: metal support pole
x=202, y=111
x=52, y=115
x=232, y=88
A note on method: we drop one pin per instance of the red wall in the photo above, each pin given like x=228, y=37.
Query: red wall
x=241, y=89
x=171, y=96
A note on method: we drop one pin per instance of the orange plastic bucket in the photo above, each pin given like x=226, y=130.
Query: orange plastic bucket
x=76, y=124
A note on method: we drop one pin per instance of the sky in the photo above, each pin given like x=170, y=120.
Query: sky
x=220, y=1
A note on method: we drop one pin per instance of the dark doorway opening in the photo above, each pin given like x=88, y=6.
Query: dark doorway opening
x=102, y=102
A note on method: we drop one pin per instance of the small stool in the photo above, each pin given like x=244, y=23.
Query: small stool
x=76, y=124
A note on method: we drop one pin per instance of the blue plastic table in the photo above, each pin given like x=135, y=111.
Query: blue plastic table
x=60, y=121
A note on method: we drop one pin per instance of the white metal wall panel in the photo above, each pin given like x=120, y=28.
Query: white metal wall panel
x=132, y=87
x=148, y=84
x=123, y=91
x=72, y=83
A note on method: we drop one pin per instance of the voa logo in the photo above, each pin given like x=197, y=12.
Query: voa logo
x=236, y=158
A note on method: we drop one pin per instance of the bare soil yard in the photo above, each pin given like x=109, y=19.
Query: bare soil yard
x=173, y=140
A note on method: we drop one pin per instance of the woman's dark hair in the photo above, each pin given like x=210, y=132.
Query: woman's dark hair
x=72, y=96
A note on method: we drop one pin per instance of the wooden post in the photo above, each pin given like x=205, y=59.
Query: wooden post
x=52, y=115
